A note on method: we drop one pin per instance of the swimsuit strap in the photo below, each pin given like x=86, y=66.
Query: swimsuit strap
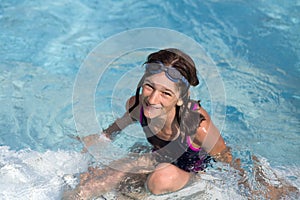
x=141, y=114
x=143, y=120
x=195, y=105
x=190, y=144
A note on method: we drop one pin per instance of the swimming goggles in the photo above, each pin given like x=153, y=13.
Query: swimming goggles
x=172, y=73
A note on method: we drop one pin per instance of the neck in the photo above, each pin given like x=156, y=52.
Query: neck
x=170, y=120
x=166, y=126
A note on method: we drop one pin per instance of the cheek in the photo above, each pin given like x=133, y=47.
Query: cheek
x=145, y=92
x=169, y=103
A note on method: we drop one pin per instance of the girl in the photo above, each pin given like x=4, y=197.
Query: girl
x=179, y=129
x=182, y=134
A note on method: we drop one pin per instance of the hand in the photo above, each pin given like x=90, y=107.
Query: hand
x=92, y=140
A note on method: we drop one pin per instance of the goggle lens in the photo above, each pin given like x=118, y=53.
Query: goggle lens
x=172, y=73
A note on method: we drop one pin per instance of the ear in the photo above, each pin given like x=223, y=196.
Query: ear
x=179, y=102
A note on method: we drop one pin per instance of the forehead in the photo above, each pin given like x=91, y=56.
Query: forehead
x=161, y=80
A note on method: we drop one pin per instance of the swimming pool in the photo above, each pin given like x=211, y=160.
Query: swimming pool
x=255, y=47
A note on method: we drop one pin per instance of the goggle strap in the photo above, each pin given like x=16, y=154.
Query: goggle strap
x=137, y=94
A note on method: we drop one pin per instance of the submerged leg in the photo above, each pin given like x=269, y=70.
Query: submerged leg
x=132, y=186
x=94, y=183
x=281, y=190
x=99, y=181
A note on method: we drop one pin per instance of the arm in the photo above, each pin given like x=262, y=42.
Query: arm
x=118, y=125
x=210, y=139
x=125, y=120
x=106, y=134
x=208, y=136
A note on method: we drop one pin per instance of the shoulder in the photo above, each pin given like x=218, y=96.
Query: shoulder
x=208, y=135
x=207, y=120
x=204, y=125
x=135, y=113
x=130, y=102
x=205, y=114
x=196, y=107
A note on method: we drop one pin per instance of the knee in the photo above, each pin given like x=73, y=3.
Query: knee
x=162, y=179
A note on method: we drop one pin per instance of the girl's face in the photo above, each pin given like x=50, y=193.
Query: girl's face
x=160, y=95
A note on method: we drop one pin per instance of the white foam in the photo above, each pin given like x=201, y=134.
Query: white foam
x=207, y=187
x=28, y=174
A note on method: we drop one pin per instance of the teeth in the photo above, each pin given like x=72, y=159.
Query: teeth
x=155, y=107
x=151, y=106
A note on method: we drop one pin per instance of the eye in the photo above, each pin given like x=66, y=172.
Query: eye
x=148, y=86
x=167, y=94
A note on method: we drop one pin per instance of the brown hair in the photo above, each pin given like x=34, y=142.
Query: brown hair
x=179, y=60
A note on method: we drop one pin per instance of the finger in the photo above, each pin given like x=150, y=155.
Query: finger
x=84, y=150
x=76, y=137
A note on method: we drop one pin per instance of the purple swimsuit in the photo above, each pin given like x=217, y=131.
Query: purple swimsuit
x=179, y=152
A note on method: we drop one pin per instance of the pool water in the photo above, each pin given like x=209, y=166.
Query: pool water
x=255, y=46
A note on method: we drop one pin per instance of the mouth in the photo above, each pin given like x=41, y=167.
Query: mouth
x=152, y=110
x=149, y=106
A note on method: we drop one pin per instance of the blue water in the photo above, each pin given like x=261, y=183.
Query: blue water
x=255, y=46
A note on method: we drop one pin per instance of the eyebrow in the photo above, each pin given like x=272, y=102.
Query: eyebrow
x=163, y=88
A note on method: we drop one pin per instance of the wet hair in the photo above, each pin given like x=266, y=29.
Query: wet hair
x=188, y=118
x=179, y=60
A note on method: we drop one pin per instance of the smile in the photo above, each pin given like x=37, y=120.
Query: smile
x=152, y=106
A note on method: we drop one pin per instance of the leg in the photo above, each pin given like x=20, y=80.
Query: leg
x=94, y=183
x=167, y=178
x=98, y=181
x=279, y=191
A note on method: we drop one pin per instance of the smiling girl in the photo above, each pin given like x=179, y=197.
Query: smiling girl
x=182, y=135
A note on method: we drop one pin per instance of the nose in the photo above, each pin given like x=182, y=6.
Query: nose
x=153, y=98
